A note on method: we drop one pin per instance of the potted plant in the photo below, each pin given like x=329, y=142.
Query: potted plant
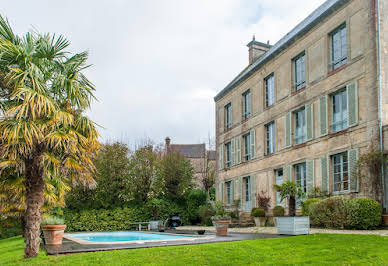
x=53, y=228
x=292, y=225
x=277, y=211
x=258, y=215
x=221, y=220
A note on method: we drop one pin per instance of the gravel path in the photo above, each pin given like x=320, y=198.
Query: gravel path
x=272, y=230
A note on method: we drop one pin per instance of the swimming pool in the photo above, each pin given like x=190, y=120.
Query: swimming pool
x=124, y=237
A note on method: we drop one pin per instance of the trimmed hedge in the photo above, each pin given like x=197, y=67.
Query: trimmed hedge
x=10, y=227
x=307, y=204
x=278, y=211
x=258, y=212
x=364, y=213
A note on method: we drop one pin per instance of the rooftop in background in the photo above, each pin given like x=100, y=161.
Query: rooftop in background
x=190, y=150
x=313, y=19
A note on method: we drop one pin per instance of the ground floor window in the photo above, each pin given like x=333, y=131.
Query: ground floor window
x=279, y=181
x=229, y=192
x=340, y=172
x=300, y=175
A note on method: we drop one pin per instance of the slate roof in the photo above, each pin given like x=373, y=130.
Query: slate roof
x=189, y=150
x=326, y=9
x=211, y=155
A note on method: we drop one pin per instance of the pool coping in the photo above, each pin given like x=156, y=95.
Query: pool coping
x=86, y=242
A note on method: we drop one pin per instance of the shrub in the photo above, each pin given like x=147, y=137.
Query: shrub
x=307, y=204
x=329, y=213
x=10, y=227
x=278, y=211
x=364, y=213
x=263, y=201
x=258, y=212
x=206, y=212
x=52, y=220
x=220, y=212
x=208, y=221
x=194, y=199
x=233, y=215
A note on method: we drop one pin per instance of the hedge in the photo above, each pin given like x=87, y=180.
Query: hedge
x=364, y=214
x=306, y=205
x=10, y=227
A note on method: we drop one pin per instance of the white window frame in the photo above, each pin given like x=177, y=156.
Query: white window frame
x=279, y=181
x=299, y=63
x=338, y=37
x=269, y=82
x=247, y=104
x=228, y=115
x=342, y=123
x=228, y=186
x=342, y=172
x=270, y=137
x=228, y=157
x=247, y=147
x=300, y=135
x=300, y=171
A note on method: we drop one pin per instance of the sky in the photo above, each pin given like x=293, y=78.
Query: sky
x=157, y=64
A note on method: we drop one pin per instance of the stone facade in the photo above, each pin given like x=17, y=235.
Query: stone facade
x=322, y=145
x=202, y=160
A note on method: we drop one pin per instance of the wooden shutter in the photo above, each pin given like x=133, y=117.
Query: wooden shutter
x=287, y=172
x=352, y=100
x=232, y=191
x=323, y=127
x=325, y=173
x=352, y=162
x=287, y=127
x=253, y=143
x=309, y=121
x=232, y=147
x=240, y=192
x=310, y=175
x=221, y=156
x=222, y=191
x=253, y=191
x=238, y=139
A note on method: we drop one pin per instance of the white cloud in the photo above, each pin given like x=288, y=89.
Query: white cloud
x=158, y=64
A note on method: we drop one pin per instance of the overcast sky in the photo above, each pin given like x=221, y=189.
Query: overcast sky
x=157, y=64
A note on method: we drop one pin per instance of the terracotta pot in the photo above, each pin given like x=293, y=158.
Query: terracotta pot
x=385, y=219
x=221, y=227
x=53, y=234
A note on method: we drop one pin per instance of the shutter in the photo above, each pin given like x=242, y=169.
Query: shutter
x=222, y=192
x=310, y=121
x=352, y=101
x=253, y=191
x=219, y=191
x=288, y=129
x=221, y=156
x=325, y=173
x=240, y=192
x=231, y=115
x=238, y=149
x=232, y=191
x=232, y=147
x=253, y=143
x=352, y=162
x=323, y=128
x=287, y=172
x=310, y=175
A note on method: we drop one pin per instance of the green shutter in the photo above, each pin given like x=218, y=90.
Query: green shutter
x=240, y=192
x=323, y=127
x=352, y=162
x=238, y=139
x=287, y=172
x=222, y=191
x=253, y=191
x=310, y=175
x=253, y=143
x=221, y=156
x=232, y=147
x=232, y=191
x=288, y=129
x=325, y=173
x=310, y=121
x=352, y=99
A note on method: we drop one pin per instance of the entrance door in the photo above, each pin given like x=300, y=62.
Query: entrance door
x=247, y=193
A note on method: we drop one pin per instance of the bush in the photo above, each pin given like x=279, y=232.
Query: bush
x=52, y=220
x=364, y=213
x=10, y=227
x=278, y=211
x=206, y=212
x=307, y=204
x=329, y=213
x=208, y=221
x=194, y=199
x=258, y=212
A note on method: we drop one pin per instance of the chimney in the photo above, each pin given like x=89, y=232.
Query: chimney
x=257, y=49
x=168, y=141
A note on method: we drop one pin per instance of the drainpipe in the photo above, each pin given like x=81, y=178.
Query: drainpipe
x=380, y=98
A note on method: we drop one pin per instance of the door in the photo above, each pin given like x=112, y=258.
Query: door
x=247, y=193
x=279, y=181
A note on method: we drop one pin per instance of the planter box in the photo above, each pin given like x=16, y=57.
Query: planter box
x=260, y=221
x=53, y=234
x=298, y=225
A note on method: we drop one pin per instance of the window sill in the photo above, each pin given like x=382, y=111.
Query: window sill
x=269, y=107
x=332, y=72
x=300, y=145
x=267, y=155
x=295, y=92
x=338, y=133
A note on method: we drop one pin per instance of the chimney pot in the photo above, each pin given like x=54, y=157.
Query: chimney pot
x=257, y=49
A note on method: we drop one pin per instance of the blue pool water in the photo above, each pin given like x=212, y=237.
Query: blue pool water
x=124, y=236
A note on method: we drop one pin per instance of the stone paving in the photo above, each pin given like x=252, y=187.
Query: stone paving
x=272, y=230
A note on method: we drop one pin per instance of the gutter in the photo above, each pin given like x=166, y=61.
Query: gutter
x=380, y=115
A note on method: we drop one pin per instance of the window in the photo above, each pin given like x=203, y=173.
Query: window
x=300, y=72
x=279, y=181
x=270, y=129
x=228, y=115
x=339, y=111
x=340, y=172
x=300, y=126
x=229, y=192
x=247, y=147
x=338, y=47
x=246, y=104
x=228, y=147
x=269, y=90
x=300, y=175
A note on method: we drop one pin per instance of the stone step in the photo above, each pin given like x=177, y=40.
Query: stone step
x=241, y=225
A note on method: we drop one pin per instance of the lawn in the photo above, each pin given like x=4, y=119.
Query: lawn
x=311, y=249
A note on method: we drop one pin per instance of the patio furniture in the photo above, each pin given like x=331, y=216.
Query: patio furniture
x=141, y=225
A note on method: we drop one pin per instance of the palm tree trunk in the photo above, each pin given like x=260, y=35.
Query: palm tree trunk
x=291, y=206
x=34, y=200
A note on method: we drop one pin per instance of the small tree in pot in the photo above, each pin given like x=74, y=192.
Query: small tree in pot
x=258, y=215
x=53, y=228
x=292, y=225
x=221, y=220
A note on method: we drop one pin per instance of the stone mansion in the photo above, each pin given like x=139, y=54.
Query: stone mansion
x=305, y=108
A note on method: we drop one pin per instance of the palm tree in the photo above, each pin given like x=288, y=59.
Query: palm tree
x=44, y=134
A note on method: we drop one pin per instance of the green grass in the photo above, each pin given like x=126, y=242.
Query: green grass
x=311, y=249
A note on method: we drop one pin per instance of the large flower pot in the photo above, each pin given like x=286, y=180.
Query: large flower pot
x=53, y=234
x=297, y=225
x=385, y=219
x=260, y=221
x=221, y=227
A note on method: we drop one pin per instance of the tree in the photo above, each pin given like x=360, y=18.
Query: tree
x=208, y=176
x=43, y=132
x=142, y=173
x=291, y=191
x=174, y=175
